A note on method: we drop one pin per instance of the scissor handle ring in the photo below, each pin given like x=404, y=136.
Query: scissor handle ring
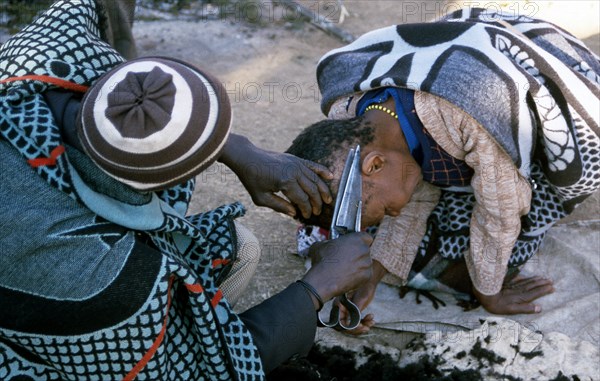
x=334, y=316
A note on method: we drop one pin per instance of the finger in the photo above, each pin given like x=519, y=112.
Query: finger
x=524, y=297
x=360, y=330
x=319, y=169
x=538, y=283
x=524, y=308
x=297, y=196
x=343, y=310
x=536, y=292
x=369, y=320
x=530, y=283
x=324, y=191
x=344, y=316
x=364, y=327
x=276, y=203
x=313, y=194
x=313, y=177
x=520, y=279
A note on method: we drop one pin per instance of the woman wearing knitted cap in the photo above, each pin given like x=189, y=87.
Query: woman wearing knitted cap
x=113, y=280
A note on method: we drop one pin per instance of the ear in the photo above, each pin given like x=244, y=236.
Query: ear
x=373, y=163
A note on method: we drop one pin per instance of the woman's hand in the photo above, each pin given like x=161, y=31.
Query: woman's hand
x=266, y=173
x=516, y=296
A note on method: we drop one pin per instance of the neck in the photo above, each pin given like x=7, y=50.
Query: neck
x=388, y=133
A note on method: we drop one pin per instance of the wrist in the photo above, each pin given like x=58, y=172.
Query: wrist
x=481, y=294
x=235, y=148
x=378, y=273
x=324, y=289
x=485, y=300
x=313, y=293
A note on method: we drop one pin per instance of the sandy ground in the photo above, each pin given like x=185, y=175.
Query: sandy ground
x=269, y=71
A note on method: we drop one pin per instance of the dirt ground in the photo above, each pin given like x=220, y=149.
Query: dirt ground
x=268, y=69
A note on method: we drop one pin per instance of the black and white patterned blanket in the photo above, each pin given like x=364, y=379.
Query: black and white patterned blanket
x=541, y=87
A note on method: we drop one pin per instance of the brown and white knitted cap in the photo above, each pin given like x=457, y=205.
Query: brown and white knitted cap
x=154, y=122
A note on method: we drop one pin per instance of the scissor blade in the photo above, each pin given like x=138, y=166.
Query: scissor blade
x=333, y=231
x=347, y=214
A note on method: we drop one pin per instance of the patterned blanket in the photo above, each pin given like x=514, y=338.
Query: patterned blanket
x=81, y=296
x=541, y=83
x=533, y=86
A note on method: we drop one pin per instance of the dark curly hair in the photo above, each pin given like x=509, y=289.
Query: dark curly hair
x=328, y=142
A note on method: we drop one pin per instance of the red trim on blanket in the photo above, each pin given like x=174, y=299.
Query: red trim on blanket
x=51, y=80
x=194, y=288
x=43, y=161
x=217, y=298
x=144, y=361
x=220, y=262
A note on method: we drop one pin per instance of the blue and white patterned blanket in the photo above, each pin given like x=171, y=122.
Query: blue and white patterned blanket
x=81, y=295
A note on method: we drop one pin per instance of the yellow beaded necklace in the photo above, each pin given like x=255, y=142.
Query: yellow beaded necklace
x=382, y=108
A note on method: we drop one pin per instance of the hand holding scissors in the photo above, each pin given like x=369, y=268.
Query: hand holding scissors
x=346, y=219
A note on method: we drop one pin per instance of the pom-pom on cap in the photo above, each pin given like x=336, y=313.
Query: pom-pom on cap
x=154, y=122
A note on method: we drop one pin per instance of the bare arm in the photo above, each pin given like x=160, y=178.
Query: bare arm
x=502, y=196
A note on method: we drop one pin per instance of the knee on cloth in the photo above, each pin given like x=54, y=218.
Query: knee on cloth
x=244, y=266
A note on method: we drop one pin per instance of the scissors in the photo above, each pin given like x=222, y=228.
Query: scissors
x=346, y=219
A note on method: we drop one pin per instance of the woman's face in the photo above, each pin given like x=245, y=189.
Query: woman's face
x=390, y=189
